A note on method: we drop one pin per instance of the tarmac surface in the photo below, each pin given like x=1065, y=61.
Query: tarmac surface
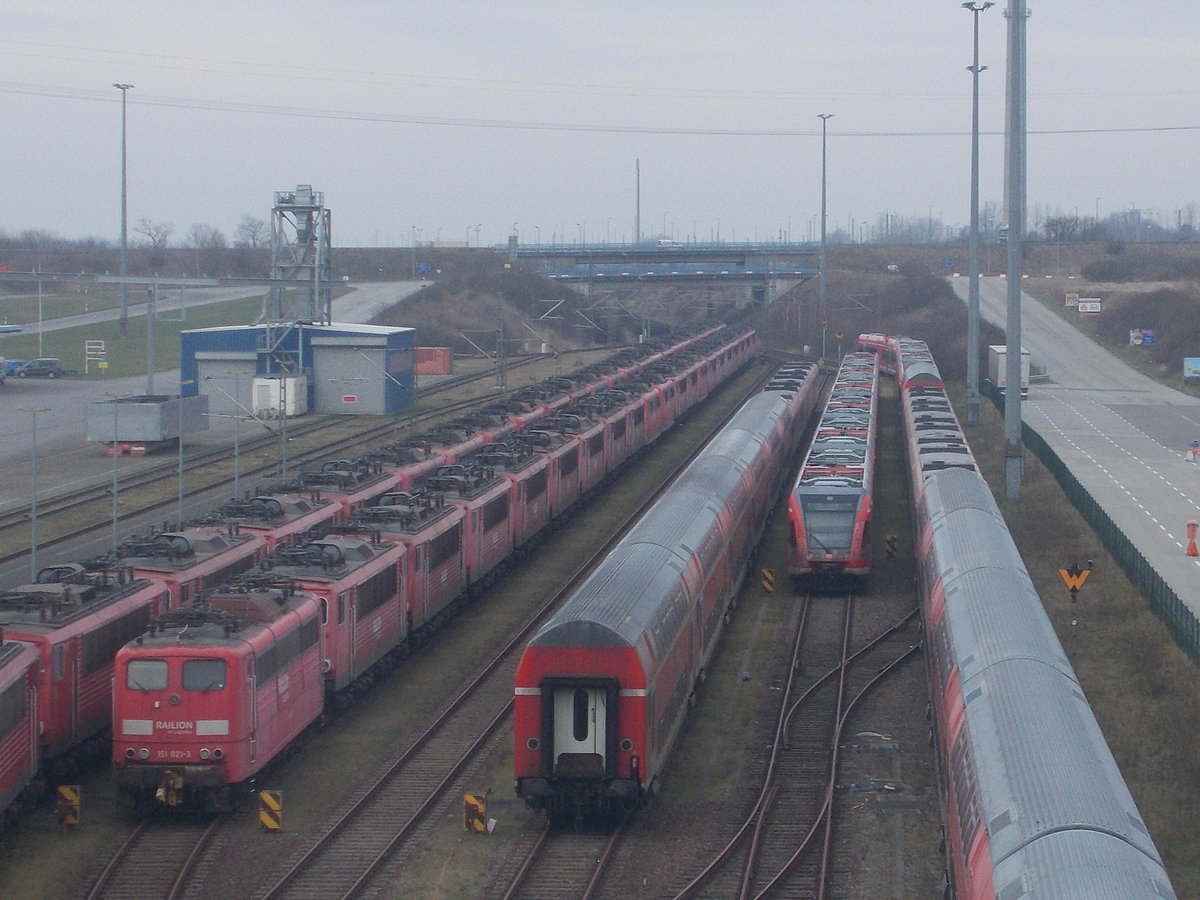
x=1123, y=435
x=49, y=416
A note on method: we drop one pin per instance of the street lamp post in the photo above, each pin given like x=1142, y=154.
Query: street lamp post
x=973, y=291
x=124, y=89
x=824, y=117
x=33, y=517
x=115, y=400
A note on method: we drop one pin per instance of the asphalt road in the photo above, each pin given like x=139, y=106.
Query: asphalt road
x=1124, y=435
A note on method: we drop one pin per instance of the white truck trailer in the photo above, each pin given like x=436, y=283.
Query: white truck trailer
x=998, y=367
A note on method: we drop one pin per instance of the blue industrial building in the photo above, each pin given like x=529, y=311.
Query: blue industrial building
x=268, y=370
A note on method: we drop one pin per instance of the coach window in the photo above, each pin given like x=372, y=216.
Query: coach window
x=342, y=608
x=204, y=674
x=580, y=717
x=146, y=675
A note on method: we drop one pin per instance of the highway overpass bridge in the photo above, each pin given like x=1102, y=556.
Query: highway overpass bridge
x=743, y=273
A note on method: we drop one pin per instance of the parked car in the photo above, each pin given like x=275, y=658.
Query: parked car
x=11, y=365
x=3, y=369
x=40, y=368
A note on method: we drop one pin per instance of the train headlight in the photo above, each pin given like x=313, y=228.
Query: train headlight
x=626, y=744
x=144, y=753
x=204, y=753
x=218, y=753
x=130, y=753
x=533, y=743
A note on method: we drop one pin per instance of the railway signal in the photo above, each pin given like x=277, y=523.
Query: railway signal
x=1074, y=578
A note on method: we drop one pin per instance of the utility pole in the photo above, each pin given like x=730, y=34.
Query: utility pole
x=124, y=89
x=1014, y=462
x=824, y=117
x=973, y=291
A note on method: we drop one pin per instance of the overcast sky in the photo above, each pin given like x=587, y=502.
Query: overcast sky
x=462, y=118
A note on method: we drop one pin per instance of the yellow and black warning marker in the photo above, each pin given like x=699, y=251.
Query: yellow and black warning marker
x=67, y=804
x=270, y=810
x=475, y=813
x=1075, y=577
x=768, y=580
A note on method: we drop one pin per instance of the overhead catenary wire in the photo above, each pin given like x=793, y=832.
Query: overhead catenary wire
x=512, y=124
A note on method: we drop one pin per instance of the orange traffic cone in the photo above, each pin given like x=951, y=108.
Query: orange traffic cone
x=1192, y=527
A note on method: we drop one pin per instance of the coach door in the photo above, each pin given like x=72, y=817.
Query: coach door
x=580, y=726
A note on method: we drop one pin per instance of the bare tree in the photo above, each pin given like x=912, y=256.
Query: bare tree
x=157, y=234
x=205, y=237
x=252, y=232
x=209, y=246
x=1059, y=229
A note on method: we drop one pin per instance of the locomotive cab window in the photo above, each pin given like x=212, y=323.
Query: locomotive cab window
x=204, y=675
x=146, y=675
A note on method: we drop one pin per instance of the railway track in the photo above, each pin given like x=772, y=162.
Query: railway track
x=564, y=865
x=137, y=869
x=786, y=844
x=358, y=844
x=79, y=514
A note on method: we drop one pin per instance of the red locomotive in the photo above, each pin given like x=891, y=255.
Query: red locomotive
x=360, y=585
x=282, y=519
x=213, y=692
x=19, y=757
x=191, y=559
x=76, y=617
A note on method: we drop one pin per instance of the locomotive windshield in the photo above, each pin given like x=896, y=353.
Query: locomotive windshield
x=146, y=675
x=204, y=675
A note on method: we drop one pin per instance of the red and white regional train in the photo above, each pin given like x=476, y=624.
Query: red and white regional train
x=1034, y=802
x=603, y=688
x=210, y=695
x=830, y=504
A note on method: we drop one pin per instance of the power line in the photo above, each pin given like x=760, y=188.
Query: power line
x=508, y=124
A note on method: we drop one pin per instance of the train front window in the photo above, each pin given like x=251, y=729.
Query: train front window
x=204, y=675
x=146, y=675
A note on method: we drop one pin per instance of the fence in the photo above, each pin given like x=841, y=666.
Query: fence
x=1165, y=603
